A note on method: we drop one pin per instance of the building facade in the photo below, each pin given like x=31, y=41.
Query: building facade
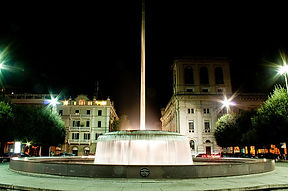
x=199, y=86
x=85, y=120
x=30, y=99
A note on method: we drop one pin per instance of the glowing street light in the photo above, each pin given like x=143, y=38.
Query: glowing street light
x=227, y=103
x=52, y=102
x=1, y=65
x=283, y=70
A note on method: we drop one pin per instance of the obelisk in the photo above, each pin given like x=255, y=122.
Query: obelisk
x=142, y=95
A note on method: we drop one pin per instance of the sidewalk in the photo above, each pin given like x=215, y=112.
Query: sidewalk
x=276, y=179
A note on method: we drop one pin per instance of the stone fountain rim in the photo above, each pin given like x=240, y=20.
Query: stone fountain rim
x=234, y=168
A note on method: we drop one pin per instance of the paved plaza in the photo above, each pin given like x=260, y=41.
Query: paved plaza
x=277, y=179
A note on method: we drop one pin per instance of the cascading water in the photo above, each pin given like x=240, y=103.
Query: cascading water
x=143, y=148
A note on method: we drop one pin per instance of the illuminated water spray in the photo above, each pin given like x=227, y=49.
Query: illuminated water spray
x=142, y=95
x=143, y=147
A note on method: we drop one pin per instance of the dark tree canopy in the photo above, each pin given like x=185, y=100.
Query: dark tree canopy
x=39, y=125
x=231, y=129
x=6, y=130
x=271, y=120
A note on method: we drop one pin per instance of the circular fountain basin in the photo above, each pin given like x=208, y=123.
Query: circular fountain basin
x=143, y=148
x=141, y=154
x=85, y=167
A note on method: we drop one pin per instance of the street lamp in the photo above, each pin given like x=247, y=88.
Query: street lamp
x=1, y=66
x=227, y=103
x=52, y=102
x=283, y=70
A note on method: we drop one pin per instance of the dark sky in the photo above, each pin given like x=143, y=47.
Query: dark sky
x=68, y=46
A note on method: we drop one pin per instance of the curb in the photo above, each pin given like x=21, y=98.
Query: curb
x=263, y=188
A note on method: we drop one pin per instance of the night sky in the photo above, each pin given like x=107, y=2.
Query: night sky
x=68, y=47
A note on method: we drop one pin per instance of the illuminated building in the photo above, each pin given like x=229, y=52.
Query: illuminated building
x=85, y=120
x=29, y=99
x=199, y=86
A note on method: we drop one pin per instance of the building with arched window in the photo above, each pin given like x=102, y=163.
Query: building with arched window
x=199, y=85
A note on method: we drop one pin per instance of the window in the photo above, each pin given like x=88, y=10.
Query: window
x=206, y=110
x=87, y=123
x=88, y=112
x=99, y=112
x=207, y=141
x=189, y=90
x=207, y=126
x=74, y=103
x=192, y=145
x=86, y=136
x=77, y=112
x=76, y=123
x=60, y=112
x=220, y=90
x=190, y=110
x=75, y=135
x=89, y=103
x=205, y=90
x=81, y=102
x=191, y=126
x=219, y=75
x=204, y=77
x=188, y=75
x=99, y=123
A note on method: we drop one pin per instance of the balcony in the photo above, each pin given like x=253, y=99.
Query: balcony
x=79, y=141
x=79, y=128
x=77, y=116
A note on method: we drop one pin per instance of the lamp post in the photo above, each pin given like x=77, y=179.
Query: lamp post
x=52, y=102
x=227, y=103
x=1, y=65
x=283, y=70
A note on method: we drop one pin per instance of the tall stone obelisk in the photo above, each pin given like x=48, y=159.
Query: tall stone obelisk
x=142, y=96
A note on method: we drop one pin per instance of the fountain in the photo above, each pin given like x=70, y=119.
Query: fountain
x=141, y=154
x=143, y=147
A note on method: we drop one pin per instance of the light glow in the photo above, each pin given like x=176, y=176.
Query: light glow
x=283, y=69
x=17, y=147
x=227, y=103
x=28, y=144
x=54, y=101
x=101, y=102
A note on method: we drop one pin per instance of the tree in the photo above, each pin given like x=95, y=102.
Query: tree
x=232, y=128
x=50, y=129
x=6, y=130
x=271, y=120
x=225, y=132
x=41, y=126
